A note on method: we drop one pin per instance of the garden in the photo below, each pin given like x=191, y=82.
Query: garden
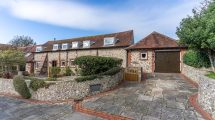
x=92, y=74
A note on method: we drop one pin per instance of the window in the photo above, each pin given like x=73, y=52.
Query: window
x=55, y=47
x=37, y=65
x=63, y=63
x=39, y=48
x=65, y=46
x=86, y=44
x=75, y=44
x=72, y=64
x=54, y=63
x=109, y=41
x=143, y=55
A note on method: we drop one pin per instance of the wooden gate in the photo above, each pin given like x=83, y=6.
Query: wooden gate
x=132, y=74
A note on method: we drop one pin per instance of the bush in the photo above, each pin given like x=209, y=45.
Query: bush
x=7, y=75
x=21, y=87
x=67, y=71
x=54, y=72
x=86, y=78
x=91, y=65
x=51, y=79
x=36, y=84
x=211, y=75
x=112, y=71
x=196, y=59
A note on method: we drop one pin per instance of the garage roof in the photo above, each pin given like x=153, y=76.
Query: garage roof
x=155, y=40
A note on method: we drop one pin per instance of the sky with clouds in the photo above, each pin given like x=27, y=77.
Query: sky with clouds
x=45, y=20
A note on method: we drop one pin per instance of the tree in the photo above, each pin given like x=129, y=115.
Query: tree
x=10, y=58
x=22, y=41
x=198, y=31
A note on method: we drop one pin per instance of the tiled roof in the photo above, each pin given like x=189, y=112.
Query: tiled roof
x=155, y=40
x=124, y=39
x=6, y=47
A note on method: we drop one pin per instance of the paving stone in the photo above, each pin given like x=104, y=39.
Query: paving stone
x=176, y=105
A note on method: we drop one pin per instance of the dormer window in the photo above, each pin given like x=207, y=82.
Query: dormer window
x=75, y=44
x=108, y=41
x=65, y=46
x=39, y=48
x=86, y=44
x=55, y=46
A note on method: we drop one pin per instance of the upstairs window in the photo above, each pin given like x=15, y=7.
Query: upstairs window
x=65, y=46
x=86, y=44
x=55, y=46
x=39, y=48
x=109, y=41
x=75, y=44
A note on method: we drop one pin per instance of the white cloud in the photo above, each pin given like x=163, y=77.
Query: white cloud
x=143, y=19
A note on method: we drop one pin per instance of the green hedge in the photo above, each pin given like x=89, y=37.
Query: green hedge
x=21, y=87
x=196, y=59
x=86, y=78
x=36, y=84
x=54, y=72
x=112, y=71
x=91, y=65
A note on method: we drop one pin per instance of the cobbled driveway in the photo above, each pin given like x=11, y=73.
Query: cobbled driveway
x=15, y=109
x=163, y=97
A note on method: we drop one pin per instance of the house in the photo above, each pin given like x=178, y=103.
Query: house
x=62, y=53
x=156, y=53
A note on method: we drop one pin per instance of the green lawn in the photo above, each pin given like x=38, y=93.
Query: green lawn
x=211, y=75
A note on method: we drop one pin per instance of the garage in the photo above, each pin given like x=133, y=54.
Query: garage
x=167, y=61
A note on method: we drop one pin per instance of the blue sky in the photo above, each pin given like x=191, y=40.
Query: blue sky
x=44, y=20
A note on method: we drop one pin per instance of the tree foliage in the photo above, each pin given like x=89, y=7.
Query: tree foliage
x=198, y=31
x=22, y=41
x=10, y=58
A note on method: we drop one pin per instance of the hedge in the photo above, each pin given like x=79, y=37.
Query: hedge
x=112, y=71
x=21, y=87
x=86, y=78
x=36, y=84
x=196, y=59
x=91, y=65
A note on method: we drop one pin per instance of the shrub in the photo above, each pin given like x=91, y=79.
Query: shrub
x=112, y=71
x=7, y=75
x=91, y=65
x=21, y=87
x=51, y=79
x=36, y=84
x=54, y=71
x=67, y=71
x=211, y=75
x=86, y=78
x=196, y=59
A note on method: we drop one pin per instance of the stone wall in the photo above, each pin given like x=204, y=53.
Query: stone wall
x=206, y=89
x=6, y=86
x=206, y=94
x=65, y=89
x=136, y=61
x=71, y=89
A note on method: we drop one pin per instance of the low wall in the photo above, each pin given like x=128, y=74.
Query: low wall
x=206, y=94
x=66, y=89
x=206, y=89
x=6, y=86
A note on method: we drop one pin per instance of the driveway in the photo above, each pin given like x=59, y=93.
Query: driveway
x=163, y=97
x=16, y=109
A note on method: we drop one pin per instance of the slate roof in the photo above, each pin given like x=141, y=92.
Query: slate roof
x=155, y=40
x=124, y=39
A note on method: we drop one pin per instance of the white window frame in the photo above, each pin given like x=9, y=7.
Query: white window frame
x=75, y=44
x=63, y=46
x=37, y=65
x=107, y=41
x=86, y=44
x=55, y=46
x=62, y=64
x=146, y=55
x=71, y=65
x=39, y=48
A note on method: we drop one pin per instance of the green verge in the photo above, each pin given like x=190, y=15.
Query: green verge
x=211, y=75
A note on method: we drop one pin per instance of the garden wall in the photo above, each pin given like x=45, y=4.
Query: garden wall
x=206, y=89
x=6, y=86
x=66, y=89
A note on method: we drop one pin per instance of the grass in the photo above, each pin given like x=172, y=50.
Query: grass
x=211, y=75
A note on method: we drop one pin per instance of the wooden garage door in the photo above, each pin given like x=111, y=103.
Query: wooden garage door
x=167, y=61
